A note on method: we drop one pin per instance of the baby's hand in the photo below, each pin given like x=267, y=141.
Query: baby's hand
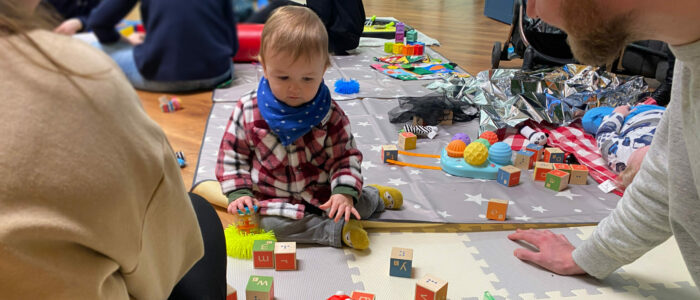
x=241, y=203
x=624, y=110
x=340, y=205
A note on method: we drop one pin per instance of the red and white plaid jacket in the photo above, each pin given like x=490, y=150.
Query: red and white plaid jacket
x=305, y=172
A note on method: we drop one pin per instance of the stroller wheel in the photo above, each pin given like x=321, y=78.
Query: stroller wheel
x=528, y=59
x=496, y=55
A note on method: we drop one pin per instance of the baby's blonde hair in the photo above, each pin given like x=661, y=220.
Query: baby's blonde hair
x=296, y=30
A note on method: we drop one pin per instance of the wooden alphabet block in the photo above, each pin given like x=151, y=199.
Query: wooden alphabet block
x=524, y=160
x=285, y=256
x=231, y=293
x=260, y=288
x=361, y=296
x=400, y=264
x=536, y=149
x=556, y=180
x=263, y=254
x=407, y=140
x=553, y=155
x=497, y=209
x=563, y=167
x=541, y=170
x=508, y=176
x=431, y=288
x=579, y=174
x=390, y=152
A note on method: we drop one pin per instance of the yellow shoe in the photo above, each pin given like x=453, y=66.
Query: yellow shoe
x=355, y=236
x=393, y=199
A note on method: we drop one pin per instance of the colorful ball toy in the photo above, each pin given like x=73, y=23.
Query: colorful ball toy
x=462, y=137
x=476, y=154
x=500, y=153
x=456, y=148
x=489, y=136
x=484, y=142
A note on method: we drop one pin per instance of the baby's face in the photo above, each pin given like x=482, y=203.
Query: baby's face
x=293, y=82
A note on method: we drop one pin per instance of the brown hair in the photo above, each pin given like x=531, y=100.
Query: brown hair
x=296, y=30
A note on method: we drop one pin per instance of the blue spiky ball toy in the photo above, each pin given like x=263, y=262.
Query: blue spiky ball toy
x=347, y=86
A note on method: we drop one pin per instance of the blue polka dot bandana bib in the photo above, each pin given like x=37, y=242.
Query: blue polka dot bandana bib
x=287, y=122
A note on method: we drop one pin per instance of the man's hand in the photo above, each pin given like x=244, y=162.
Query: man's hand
x=554, y=251
x=340, y=205
x=69, y=27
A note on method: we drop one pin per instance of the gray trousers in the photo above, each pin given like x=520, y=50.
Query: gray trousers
x=315, y=229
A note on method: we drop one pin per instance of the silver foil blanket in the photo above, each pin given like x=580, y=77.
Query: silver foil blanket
x=507, y=97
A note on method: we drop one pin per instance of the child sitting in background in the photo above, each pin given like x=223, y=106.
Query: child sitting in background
x=623, y=136
x=188, y=45
x=75, y=14
x=290, y=149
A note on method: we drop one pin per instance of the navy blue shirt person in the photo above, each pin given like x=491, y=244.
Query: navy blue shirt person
x=75, y=14
x=188, y=45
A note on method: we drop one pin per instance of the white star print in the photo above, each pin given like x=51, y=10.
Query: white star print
x=396, y=181
x=228, y=106
x=212, y=116
x=201, y=170
x=416, y=206
x=363, y=124
x=577, y=210
x=368, y=164
x=207, y=139
x=414, y=172
x=221, y=127
x=475, y=198
x=482, y=216
x=394, y=168
x=523, y=218
x=539, y=209
x=444, y=214
x=378, y=89
x=377, y=148
x=352, y=103
x=567, y=194
x=356, y=135
x=379, y=117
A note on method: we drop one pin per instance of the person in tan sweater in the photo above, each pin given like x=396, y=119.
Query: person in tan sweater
x=92, y=203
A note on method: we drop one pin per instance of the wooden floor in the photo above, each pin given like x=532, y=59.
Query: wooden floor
x=465, y=34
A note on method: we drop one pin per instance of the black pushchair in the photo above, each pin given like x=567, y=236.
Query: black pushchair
x=537, y=43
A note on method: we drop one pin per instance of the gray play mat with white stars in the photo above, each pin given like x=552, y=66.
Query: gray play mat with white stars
x=429, y=195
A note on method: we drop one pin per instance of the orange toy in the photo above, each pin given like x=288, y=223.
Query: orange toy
x=456, y=148
x=489, y=136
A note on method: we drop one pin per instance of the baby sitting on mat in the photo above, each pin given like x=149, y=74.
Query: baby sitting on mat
x=623, y=135
x=290, y=149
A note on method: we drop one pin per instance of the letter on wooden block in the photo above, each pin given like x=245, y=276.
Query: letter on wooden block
x=536, y=149
x=400, y=264
x=508, y=176
x=260, y=288
x=579, y=174
x=553, y=155
x=431, y=288
x=497, y=209
x=524, y=160
x=285, y=256
x=541, y=170
x=390, y=152
x=407, y=140
x=556, y=180
x=263, y=254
